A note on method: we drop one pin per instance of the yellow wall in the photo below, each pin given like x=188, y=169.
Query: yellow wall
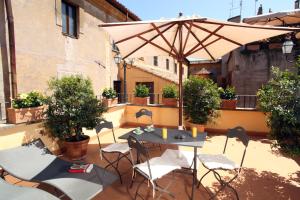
x=253, y=121
x=137, y=75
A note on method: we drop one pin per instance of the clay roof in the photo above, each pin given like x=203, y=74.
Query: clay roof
x=124, y=10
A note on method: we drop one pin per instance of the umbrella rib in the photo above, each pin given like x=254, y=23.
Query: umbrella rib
x=164, y=38
x=202, y=47
x=148, y=41
x=136, y=35
x=201, y=43
x=206, y=38
x=187, y=37
x=173, y=43
x=224, y=38
x=173, y=55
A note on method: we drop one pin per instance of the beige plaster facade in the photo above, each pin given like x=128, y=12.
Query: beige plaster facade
x=42, y=51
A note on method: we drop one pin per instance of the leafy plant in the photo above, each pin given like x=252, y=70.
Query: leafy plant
x=109, y=93
x=28, y=100
x=71, y=107
x=280, y=98
x=201, y=100
x=141, y=91
x=229, y=93
x=170, y=91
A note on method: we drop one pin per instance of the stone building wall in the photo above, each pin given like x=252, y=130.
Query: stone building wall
x=247, y=71
x=42, y=51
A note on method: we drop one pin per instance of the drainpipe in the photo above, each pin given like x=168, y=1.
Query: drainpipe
x=12, y=48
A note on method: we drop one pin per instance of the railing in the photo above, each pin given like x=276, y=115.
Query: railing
x=244, y=101
x=247, y=101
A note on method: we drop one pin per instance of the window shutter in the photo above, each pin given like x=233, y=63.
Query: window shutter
x=81, y=14
x=58, y=12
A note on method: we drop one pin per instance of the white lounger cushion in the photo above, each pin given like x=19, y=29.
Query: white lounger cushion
x=159, y=167
x=218, y=161
x=182, y=158
x=117, y=147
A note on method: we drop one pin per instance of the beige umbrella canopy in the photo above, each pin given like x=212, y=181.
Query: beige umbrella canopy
x=275, y=19
x=185, y=37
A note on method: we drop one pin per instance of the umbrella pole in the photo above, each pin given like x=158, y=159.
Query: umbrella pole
x=180, y=127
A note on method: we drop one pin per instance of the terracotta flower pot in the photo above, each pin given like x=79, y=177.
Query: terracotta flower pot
x=200, y=127
x=16, y=116
x=110, y=102
x=275, y=45
x=141, y=100
x=228, y=104
x=76, y=150
x=169, y=101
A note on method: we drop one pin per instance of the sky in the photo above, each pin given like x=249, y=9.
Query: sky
x=217, y=9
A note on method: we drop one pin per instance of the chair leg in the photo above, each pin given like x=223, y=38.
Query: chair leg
x=202, y=178
x=111, y=164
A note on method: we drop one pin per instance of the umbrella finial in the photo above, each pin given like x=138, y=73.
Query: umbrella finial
x=180, y=14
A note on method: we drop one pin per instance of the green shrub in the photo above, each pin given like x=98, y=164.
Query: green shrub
x=71, y=107
x=228, y=93
x=201, y=100
x=280, y=98
x=109, y=93
x=170, y=91
x=141, y=91
x=28, y=100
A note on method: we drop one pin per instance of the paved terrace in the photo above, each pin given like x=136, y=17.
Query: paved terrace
x=268, y=174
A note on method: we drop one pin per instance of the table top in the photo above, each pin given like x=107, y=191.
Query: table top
x=156, y=137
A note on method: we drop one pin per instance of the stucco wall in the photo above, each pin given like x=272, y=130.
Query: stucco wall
x=253, y=121
x=44, y=52
x=135, y=75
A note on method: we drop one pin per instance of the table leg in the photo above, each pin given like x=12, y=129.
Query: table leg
x=194, y=173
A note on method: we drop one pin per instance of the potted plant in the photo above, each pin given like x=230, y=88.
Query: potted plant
x=169, y=95
x=27, y=107
x=280, y=99
x=201, y=100
x=109, y=97
x=71, y=107
x=141, y=95
x=228, y=96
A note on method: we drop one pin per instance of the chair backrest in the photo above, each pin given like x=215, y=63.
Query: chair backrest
x=142, y=152
x=143, y=112
x=104, y=124
x=239, y=133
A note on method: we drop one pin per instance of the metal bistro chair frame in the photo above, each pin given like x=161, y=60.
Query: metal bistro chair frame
x=143, y=154
x=237, y=132
x=145, y=112
x=111, y=163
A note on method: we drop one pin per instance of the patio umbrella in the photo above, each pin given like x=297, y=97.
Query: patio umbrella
x=185, y=37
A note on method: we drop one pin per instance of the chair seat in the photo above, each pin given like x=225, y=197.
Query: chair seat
x=117, y=147
x=182, y=158
x=218, y=161
x=159, y=167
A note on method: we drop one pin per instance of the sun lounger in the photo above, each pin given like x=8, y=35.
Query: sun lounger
x=34, y=163
x=14, y=192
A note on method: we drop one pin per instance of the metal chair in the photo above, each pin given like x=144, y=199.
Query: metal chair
x=144, y=112
x=221, y=162
x=122, y=149
x=151, y=169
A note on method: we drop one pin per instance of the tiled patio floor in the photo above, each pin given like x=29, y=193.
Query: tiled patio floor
x=268, y=174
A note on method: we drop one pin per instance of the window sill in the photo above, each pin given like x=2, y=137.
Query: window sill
x=71, y=36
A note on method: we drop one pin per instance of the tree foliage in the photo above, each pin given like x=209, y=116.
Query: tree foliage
x=280, y=98
x=72, y=106
x=201, y=100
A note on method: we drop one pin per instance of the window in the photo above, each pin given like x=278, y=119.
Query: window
x=69, y=19
x=175, y=68
x=167, y=64
x=155, y=61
